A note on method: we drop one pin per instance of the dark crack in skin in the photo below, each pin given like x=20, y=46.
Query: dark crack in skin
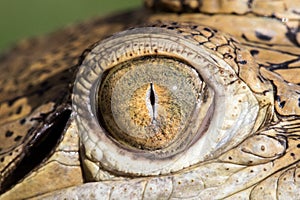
x=36, y=82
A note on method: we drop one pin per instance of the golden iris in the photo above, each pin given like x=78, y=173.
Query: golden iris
x=147, y=103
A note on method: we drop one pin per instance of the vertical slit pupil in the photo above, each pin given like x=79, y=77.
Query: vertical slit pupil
x=152, y=95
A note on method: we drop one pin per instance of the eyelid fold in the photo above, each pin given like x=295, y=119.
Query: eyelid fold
x=233, y=114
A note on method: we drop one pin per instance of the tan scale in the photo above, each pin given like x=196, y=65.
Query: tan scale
x=254, y=46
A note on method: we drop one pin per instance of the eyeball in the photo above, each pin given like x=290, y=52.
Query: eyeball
x=154, y=100
x=148, y=103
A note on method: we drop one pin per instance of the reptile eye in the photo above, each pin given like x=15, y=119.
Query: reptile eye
x=151, y=101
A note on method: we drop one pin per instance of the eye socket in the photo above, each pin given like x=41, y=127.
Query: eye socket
x=125, y=103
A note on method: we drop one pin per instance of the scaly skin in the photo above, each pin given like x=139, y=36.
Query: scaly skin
x=37, y=80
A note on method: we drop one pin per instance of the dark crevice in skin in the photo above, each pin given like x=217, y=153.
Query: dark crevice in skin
x=266, y=46
x=254, y=52
x=293, y=124
x=40, y=148
x=183, y=6
x=187, y=8
x=262, y=79
x=276, y=97
x=279, y=103
x=200, y=4
x=249, y=3
x=261, y=43
x=284, y=65
x=292, y=35
x=262, y=36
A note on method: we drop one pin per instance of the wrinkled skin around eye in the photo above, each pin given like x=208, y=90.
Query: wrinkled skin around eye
x=238, y=110
x=210, y=111
x=234, y=119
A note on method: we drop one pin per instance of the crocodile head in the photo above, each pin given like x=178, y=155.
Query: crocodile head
x=180, y=100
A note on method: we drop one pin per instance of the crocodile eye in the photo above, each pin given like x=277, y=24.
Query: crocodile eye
x=151, y=101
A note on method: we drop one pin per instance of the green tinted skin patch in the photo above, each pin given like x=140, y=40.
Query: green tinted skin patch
x=147, y=103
